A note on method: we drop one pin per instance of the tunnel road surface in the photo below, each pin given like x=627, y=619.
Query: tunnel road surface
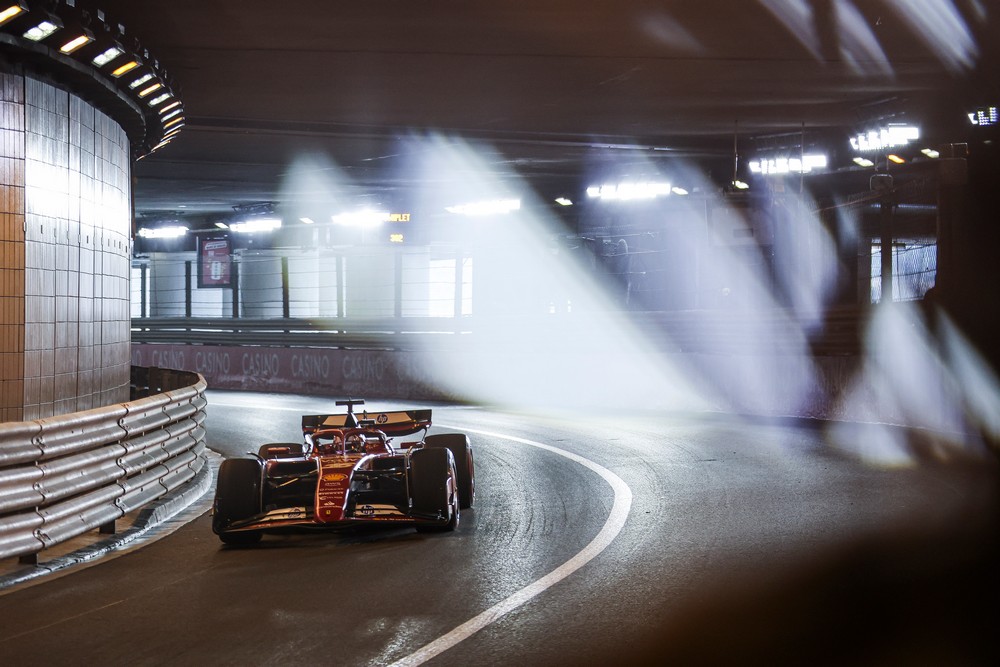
x=749, y=543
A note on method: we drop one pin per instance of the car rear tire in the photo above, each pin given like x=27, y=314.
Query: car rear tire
x=461, y=449
x=432, y=478
x=237, y=496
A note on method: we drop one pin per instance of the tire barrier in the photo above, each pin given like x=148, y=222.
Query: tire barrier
x=63, y=476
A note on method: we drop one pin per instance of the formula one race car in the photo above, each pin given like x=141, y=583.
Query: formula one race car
x=348, y=471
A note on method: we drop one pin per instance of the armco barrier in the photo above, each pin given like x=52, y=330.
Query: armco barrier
x=64, y=476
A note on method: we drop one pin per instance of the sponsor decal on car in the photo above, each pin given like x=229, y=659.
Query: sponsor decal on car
x=334, y=477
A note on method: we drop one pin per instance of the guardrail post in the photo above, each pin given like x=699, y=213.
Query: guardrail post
x=340, y=286
x=143, y=277
x=187, y=288
x=284, y=288
x=235, y=277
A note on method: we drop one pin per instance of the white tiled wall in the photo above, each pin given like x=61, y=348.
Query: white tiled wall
x=71, y=305
x=12, y=386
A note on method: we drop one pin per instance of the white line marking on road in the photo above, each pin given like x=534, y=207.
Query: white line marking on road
x=613, y=525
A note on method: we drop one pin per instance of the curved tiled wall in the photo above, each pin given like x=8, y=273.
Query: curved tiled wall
x=66, y=217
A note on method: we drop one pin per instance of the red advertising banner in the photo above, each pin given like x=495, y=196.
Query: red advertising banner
x=214, y=262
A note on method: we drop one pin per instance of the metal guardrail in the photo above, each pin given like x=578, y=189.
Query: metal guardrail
x=715, y=331
x=63, y=476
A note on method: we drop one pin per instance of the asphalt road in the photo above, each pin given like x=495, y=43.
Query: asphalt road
x=717, y=542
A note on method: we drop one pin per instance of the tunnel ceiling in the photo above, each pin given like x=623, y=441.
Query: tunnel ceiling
x=559, y=90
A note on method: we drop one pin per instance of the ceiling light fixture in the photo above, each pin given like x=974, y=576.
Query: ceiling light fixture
x=256, y=225
x=102, y=59
x=307, y=221
x=629, y=190
x=163, y=232
x=984, y=116
x=41, y=30
x=563, y=201
x=145, y=92
x=75, y=43
x=159, y=99
x=11, y=11
x=863, y=162
x=895, y=158
x=125, y=69
x=741, y=185
x=145, y=78
x=789, y=165
x=890, y=136
x=678, y=191
x=172, y=105
x=931, y=153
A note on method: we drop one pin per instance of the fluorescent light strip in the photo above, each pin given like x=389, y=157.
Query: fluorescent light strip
x=629, y=190
x=890, y=136
x=75, y=43
x=175, y=103
x=256, y=225
x=162, y=232
x=146, y=91
x=788, y=165
x=124, y=69
x=171, y=114
x=159, y=99
x=11, y=12
x=175, y=121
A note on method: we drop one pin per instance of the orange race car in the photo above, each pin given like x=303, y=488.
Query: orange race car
x=348, y=470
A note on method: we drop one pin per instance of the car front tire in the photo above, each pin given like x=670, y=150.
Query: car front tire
x=237, y=496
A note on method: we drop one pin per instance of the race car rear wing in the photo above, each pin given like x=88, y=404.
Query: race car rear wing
x=402, y=422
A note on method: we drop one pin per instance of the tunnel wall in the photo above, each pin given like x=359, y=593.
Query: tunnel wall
x=66, y=206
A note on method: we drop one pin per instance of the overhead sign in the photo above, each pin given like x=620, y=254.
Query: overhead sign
x=214, y=262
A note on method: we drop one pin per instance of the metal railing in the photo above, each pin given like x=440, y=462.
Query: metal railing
x=710, y=331
x=64, y=476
